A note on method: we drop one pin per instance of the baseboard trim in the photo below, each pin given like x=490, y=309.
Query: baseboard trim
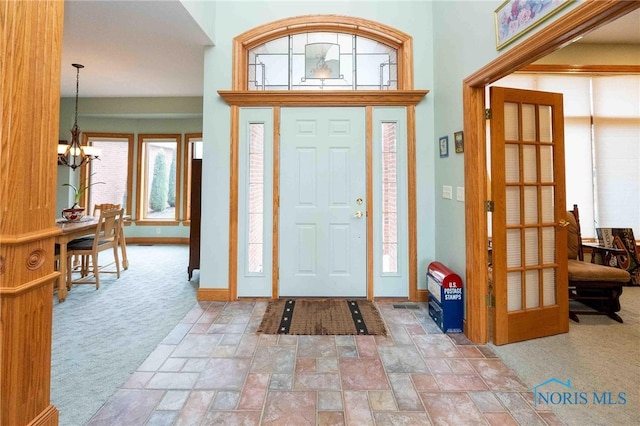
x=48, y=417
x=422, y=296
x=155, y=240
x=213, y=295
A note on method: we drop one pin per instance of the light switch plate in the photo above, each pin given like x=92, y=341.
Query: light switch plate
x=447, y=192
x=460, y=193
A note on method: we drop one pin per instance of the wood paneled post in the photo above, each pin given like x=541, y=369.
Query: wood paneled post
x=30, y=80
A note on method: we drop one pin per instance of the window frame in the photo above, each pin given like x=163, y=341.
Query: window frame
x=87, y=139
x=589, y=71
x=141, y=192
x=406, y=96
x=189, y=140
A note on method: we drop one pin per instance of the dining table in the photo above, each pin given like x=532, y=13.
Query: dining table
x=76, y=229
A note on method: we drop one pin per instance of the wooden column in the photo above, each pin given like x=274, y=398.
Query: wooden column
x=30, y=79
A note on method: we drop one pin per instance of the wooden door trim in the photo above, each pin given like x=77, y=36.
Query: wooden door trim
x=275, y=253
x=558, y=34
x=369, y=192
x=330, y=98
x=233, y=202
x=385, y=34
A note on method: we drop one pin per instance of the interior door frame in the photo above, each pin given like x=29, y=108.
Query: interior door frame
x=581, y=20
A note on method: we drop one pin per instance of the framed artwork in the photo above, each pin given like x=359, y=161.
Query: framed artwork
x=515, y=17
x=444, y=146
x=458, y=139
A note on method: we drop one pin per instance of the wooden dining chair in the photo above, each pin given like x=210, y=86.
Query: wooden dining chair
x=104, y=206
x=105, y=237
x=81, y=264
x=122, y=242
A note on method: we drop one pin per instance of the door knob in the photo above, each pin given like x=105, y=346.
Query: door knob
x=358, y=214
x=563, y=223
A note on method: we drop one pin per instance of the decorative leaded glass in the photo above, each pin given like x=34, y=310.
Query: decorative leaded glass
x=323, y=60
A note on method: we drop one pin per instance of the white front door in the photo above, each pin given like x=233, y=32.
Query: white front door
x=322, y=224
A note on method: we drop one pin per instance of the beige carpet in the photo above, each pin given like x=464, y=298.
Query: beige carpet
x=597, y=355
x=322, y=317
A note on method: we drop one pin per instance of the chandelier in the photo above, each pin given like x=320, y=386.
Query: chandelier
x=75, y=154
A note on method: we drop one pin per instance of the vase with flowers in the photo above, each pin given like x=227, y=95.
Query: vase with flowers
x=75, y=213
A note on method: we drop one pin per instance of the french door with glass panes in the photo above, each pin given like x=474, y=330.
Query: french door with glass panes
x=528, y=237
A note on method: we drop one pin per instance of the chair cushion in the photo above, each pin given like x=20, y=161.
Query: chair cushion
x=82, y=244
x=585, y=271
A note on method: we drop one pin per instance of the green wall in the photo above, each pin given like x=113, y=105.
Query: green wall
x=128, y=115
x=452, y=40
x=464, y=35
x=414, y=18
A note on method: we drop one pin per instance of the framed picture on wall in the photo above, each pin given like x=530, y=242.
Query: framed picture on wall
x=515, y=17
x=458, y=140
x=444, y=146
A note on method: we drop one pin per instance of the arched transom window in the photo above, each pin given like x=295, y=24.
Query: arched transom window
x=322, y=60
x=317, y=53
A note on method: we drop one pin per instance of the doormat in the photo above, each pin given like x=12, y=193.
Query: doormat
x=322, y=317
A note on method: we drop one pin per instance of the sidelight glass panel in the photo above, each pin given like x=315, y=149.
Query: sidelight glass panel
x=255, y=240
x=389, y=175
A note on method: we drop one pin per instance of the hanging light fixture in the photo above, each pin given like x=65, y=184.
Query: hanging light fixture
x=75, y=154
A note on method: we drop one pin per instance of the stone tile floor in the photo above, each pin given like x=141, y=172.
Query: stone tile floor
x=213, y=369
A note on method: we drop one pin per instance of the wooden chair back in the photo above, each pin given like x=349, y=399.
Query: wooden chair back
x=574, y=236
x=106, y=237
x=108, y=229
x=105, y=206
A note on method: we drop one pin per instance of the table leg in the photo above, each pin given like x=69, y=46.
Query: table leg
x=123, y=246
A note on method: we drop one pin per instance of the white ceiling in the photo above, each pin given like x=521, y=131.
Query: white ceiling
x=155, y=48
x=131, y=49
x=624, y=30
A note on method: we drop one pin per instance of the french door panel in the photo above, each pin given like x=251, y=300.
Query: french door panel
x=529, y=245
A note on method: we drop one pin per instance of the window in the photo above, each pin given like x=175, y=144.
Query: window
x=323, y=60
x=255, y=258
x=193, y=148
x=602, y=145
x=113, y=167
x=389, y=199
x=158, y=177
